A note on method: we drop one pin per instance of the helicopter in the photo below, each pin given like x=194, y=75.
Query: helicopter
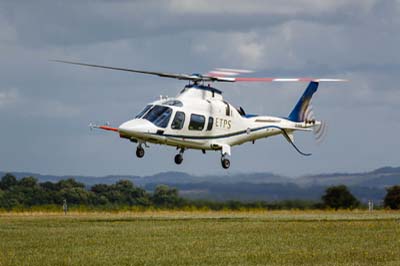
x=199, y=118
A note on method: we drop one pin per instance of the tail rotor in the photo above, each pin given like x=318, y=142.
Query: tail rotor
x=320, y=132
x=320, y=128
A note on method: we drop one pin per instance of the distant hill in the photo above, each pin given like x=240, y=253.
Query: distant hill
x=163, y=178
x=252, y=186
x=382, y=177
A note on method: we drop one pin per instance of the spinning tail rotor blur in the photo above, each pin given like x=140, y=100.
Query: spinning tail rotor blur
x=320, y=128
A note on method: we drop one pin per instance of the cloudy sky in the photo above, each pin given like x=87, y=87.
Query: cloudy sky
x=45, y=107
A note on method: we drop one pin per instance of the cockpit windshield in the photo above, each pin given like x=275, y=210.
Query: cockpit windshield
x=159, y=115
x=144, y=111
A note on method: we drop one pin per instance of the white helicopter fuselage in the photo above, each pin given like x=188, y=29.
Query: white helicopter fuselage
x=199, y=118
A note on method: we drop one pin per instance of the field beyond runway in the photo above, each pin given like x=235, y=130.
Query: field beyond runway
x=201, y=238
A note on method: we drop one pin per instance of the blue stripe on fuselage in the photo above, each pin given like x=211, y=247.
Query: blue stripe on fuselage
x=219, y=136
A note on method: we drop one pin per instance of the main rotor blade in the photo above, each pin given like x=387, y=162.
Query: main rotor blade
x=160, y=74
x=219, y=75
x=245, y=79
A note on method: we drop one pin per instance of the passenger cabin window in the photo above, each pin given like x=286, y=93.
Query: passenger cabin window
x=197, y=122
x=144, y=111
x=178, y=121
x=159, y=115
x=210, y=123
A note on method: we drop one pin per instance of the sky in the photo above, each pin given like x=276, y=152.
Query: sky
x=45, y=107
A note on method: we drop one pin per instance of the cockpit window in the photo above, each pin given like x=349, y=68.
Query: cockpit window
x=144, y=111
x=159, y=115
x=173, y=103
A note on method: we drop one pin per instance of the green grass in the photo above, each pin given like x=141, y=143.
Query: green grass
x=201, y=238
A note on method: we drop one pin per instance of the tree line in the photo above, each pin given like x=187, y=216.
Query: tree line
x=28, y=192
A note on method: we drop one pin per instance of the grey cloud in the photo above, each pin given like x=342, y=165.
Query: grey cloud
x=47, y=106
x=70, y=23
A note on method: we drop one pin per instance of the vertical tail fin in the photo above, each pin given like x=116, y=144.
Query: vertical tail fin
x=298, y=113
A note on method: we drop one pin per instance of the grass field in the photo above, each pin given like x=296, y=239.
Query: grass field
x=201, y=238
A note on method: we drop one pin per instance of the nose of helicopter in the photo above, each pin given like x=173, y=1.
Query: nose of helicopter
x=136, y=127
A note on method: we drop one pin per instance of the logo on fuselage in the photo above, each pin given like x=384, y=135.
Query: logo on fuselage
x=223, y=123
